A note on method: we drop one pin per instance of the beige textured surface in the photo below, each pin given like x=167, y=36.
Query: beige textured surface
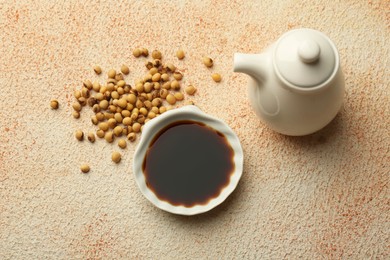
x=324, y=196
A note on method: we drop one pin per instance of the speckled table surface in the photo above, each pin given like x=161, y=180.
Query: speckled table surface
x=322, y=196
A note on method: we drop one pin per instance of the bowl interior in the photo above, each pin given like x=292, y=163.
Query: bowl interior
x=194, y=114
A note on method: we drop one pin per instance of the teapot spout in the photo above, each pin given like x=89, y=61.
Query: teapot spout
x=253, y=65
x=259, y=67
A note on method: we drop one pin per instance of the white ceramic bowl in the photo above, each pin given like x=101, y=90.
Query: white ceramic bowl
x=154, y=126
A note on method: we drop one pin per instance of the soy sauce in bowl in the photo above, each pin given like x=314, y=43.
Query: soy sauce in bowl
x=188, y=163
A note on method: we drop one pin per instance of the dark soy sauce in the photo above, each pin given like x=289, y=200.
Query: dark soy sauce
x=188, y=163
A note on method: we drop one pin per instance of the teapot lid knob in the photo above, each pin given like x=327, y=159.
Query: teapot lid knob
x=309, y=51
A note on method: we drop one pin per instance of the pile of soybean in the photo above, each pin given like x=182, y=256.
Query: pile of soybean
x=121, y=109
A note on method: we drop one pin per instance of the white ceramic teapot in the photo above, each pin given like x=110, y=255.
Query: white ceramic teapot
x=297, y=85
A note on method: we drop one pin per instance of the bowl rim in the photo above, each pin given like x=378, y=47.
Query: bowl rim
x=192, y=113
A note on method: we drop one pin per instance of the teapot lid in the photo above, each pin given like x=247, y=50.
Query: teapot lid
x=305, y=58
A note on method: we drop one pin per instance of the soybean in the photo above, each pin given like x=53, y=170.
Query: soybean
x=116, y=157
x=91, y=101
x=137, y=52
x=91, y=137
x=100, y=116
x=111, y=123
x=54, y=104
x=77, y=94
x=76, y=107
x=82, y=101
x=125, y=113
x=125, y=70
x=131, y=137
x=118, y=117
x=175, y=85
x=122, y=143
x=79, y=135
x=122, y=103
x=177, y=75
x=103, y=104
x=100, y=133
x=162, y=110
x=171, y=99
x=111, y=73
x=85, y=92
x=180, y=54
x=103, y=126
x=109, y=137
x=136, y=127
x=190, y=90
x=118, y=130
x=94, y=120
x=179, y=96
x=85, y=168
x=216, y=77
x=97, y=70
x=156, y=77
x=208, y=62
x=76, y=114
x=144, y=52
x=96, y=86
x=127, y=121
x=156, y=54
x=88, y=84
